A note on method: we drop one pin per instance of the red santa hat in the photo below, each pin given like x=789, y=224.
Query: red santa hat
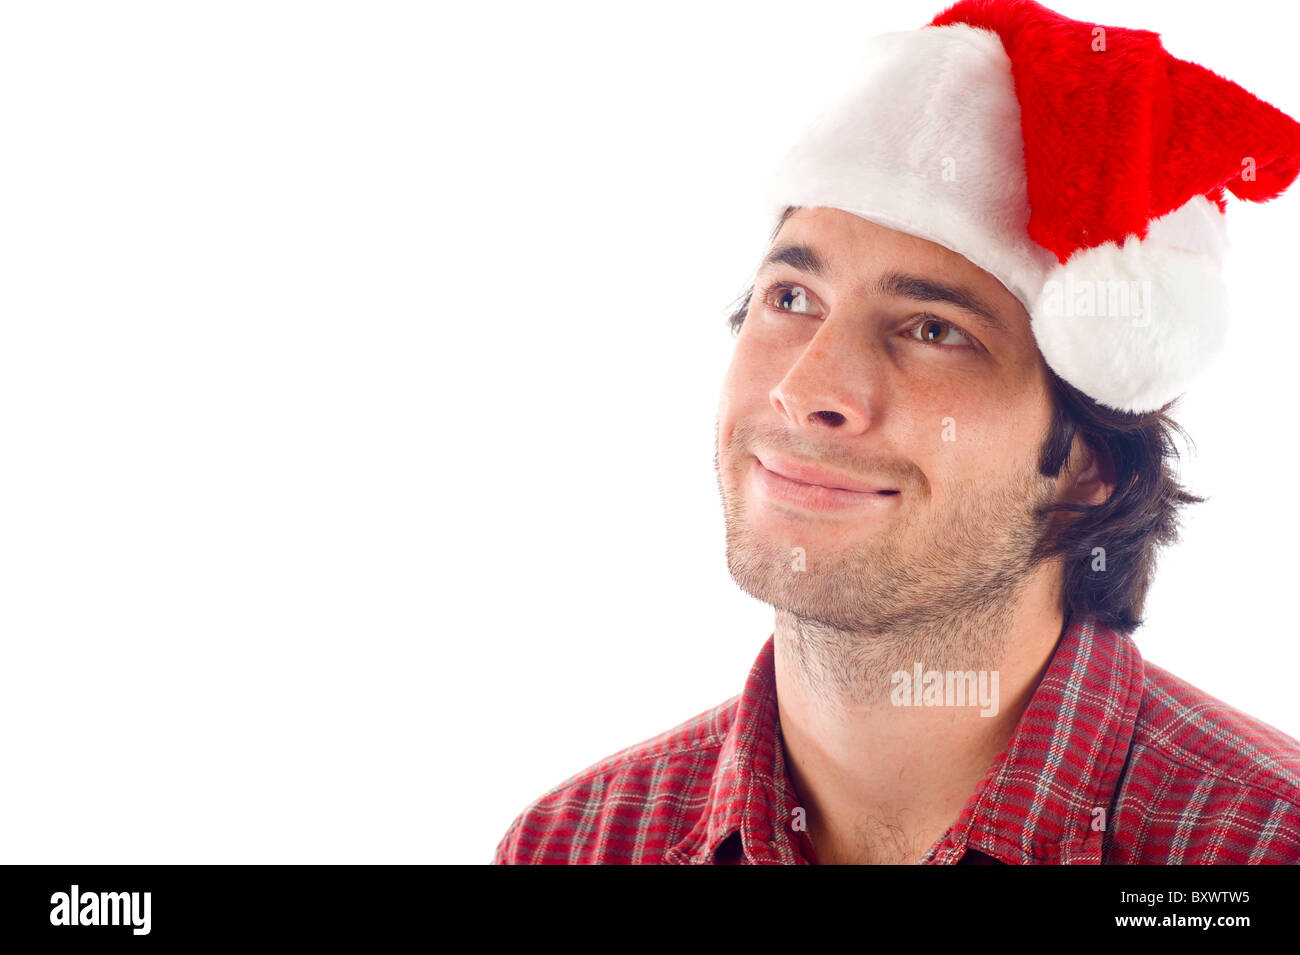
x=1081, y=165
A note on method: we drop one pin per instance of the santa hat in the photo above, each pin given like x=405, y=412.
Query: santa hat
x=1082, y=166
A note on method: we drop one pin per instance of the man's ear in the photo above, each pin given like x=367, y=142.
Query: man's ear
x=1089, y=474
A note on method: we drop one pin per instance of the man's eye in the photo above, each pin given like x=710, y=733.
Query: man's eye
x=797, y=300
x=935, y=331
x=785, y=297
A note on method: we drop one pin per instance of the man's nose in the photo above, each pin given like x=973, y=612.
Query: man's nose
x=835, y=382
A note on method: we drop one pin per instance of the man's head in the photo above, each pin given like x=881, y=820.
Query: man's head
x=894, y=363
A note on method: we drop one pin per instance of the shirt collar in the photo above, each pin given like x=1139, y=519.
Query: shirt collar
x=1048, y=795
x=1045, y=798
x=750, y=792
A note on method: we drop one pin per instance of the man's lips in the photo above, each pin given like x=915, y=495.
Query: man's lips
x=811, y=474
x=813, y=489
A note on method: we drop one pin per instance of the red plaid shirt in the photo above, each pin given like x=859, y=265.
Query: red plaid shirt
x=1181, y=777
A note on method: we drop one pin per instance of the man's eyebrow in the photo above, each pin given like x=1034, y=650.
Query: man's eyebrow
x=805, y=259
x=800, y=257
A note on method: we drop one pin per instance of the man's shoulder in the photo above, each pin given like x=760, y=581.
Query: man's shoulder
x=629, y=807
x=1205, y=782
x=1189, y=726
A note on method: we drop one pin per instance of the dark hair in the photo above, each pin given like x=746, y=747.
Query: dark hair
x=1139, y=517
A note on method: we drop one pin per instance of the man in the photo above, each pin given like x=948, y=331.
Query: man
x=944, y=458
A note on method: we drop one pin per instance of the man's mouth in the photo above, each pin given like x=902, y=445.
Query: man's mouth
x=811, y=488
x=817, y=476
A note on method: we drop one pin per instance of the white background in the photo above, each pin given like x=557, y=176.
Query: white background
x=358, y=373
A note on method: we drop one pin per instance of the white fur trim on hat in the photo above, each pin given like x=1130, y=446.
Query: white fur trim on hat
x=927, y=141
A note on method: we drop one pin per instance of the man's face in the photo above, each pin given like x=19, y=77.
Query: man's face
x=880, y=388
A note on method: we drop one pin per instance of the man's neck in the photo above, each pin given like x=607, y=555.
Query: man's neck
x=882, y=769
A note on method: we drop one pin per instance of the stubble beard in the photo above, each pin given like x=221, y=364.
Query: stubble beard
x=943, y=595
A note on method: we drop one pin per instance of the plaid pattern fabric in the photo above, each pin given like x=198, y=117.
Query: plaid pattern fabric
x=1179, y=776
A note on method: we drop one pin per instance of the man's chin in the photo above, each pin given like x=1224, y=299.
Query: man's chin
x=829, y=598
